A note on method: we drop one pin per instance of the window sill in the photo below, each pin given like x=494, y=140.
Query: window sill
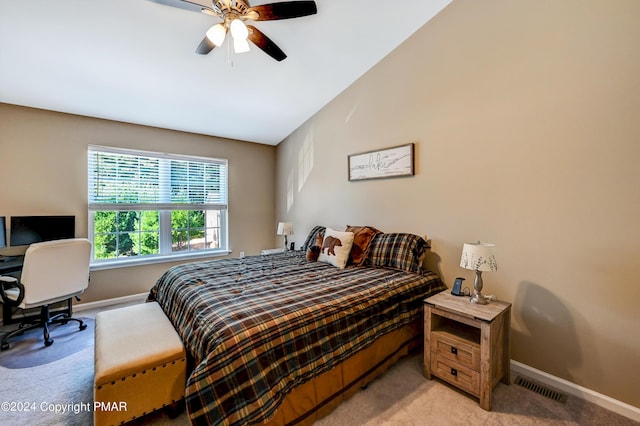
x=125, y=263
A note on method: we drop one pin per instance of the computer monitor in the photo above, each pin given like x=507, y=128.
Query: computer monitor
x=3, y=232
x=27, y=230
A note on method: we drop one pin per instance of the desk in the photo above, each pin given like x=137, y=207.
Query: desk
x=13, y=265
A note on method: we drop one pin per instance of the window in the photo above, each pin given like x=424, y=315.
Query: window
x=145, y=205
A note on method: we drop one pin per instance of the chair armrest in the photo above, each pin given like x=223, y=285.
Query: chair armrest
x=7, y=282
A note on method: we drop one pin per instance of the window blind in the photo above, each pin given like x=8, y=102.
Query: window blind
x=121, y=179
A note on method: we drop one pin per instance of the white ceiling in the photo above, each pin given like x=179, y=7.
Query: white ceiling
x=134, y=61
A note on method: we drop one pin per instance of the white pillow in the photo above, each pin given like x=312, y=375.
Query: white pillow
x=336, y=247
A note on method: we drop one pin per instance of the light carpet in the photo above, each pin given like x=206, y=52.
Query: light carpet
x=60, y=393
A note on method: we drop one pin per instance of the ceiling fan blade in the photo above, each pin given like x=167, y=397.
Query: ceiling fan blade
x=265, y=43
x=284, y=10
x=181, y=4
x=205, y=46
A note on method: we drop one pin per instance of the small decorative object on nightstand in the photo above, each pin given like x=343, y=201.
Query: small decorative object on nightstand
x=479, y=257
x=285, y=228
x=467, y=345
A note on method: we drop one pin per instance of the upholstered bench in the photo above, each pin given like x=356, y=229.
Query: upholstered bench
x=140, y=363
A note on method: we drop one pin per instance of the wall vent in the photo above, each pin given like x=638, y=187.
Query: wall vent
x=541, y=389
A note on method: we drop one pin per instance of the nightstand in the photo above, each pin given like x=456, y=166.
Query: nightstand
x=272, y=251
x=467, y=345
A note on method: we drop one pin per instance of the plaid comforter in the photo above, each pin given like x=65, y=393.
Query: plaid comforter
x=259, y=326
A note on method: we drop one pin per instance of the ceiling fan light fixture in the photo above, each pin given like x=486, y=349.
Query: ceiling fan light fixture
x=239, y=30
x=240, y=46
x=216, y=34
x=234, y=13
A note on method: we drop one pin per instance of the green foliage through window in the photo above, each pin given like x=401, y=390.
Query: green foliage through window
x=125, y=234
x=133, y=233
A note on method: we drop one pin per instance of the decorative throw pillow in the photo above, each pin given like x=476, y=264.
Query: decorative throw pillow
x=398, y=251
x=314, y=249
x=313, y=253
x=362, y=236
x=312, y=237
x=336, y=247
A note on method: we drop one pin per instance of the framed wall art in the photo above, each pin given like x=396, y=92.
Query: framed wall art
x=383, y=163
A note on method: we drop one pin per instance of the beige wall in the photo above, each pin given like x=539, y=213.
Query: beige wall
x=526, y=120
x=43, y=157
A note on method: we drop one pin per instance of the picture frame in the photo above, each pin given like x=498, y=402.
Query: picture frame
x=384, y=163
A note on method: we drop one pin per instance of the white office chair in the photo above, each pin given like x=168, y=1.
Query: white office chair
x=52, y=272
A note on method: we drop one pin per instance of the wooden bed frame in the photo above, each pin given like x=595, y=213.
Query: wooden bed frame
x=319, y=397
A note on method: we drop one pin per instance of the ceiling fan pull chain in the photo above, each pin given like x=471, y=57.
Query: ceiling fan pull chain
x=229, y=52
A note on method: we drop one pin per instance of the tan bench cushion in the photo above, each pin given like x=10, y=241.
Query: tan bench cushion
x=131, y=339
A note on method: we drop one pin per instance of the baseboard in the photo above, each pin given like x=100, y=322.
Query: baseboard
x=578, y=391
x=108, y=302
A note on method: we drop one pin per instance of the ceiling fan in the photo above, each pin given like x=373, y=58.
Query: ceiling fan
x=234, y=13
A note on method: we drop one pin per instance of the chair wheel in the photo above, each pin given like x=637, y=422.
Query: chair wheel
x=83, y=326
x=48, y=342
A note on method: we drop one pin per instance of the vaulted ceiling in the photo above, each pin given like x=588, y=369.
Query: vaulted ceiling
x=134, y=61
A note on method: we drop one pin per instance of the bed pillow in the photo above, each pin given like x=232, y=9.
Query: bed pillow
x=336, y=247
x=312, y=237
x=398, y=251
x=313, y=252
x=362, y=236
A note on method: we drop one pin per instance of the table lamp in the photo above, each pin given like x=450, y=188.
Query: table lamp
x=479, y=257
x=285, y=228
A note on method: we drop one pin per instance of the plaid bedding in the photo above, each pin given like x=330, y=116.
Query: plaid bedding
x=259, y=326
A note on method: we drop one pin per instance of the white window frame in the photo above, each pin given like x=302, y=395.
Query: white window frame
x=164, y=208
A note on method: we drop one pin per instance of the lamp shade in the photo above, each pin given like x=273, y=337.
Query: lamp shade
x=285, y=228
x=479, y=257
x=240, y=46
x=239, y=30
x=216, y=34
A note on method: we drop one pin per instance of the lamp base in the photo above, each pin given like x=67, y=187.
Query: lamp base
x=479, y=299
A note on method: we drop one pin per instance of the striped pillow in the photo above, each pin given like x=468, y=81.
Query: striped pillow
x=398, y=251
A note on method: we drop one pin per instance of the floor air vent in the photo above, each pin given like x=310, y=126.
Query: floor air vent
x=541, y=389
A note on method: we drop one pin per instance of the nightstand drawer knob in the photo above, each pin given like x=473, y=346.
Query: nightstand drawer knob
x=454, y=372
x=454, y=350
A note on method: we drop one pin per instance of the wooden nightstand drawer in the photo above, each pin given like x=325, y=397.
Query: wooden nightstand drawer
x=463, y=352
x=456, y=374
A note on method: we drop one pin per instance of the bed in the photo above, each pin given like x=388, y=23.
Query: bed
x=283, y=338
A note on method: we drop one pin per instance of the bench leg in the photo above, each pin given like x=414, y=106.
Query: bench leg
x=175, y=409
